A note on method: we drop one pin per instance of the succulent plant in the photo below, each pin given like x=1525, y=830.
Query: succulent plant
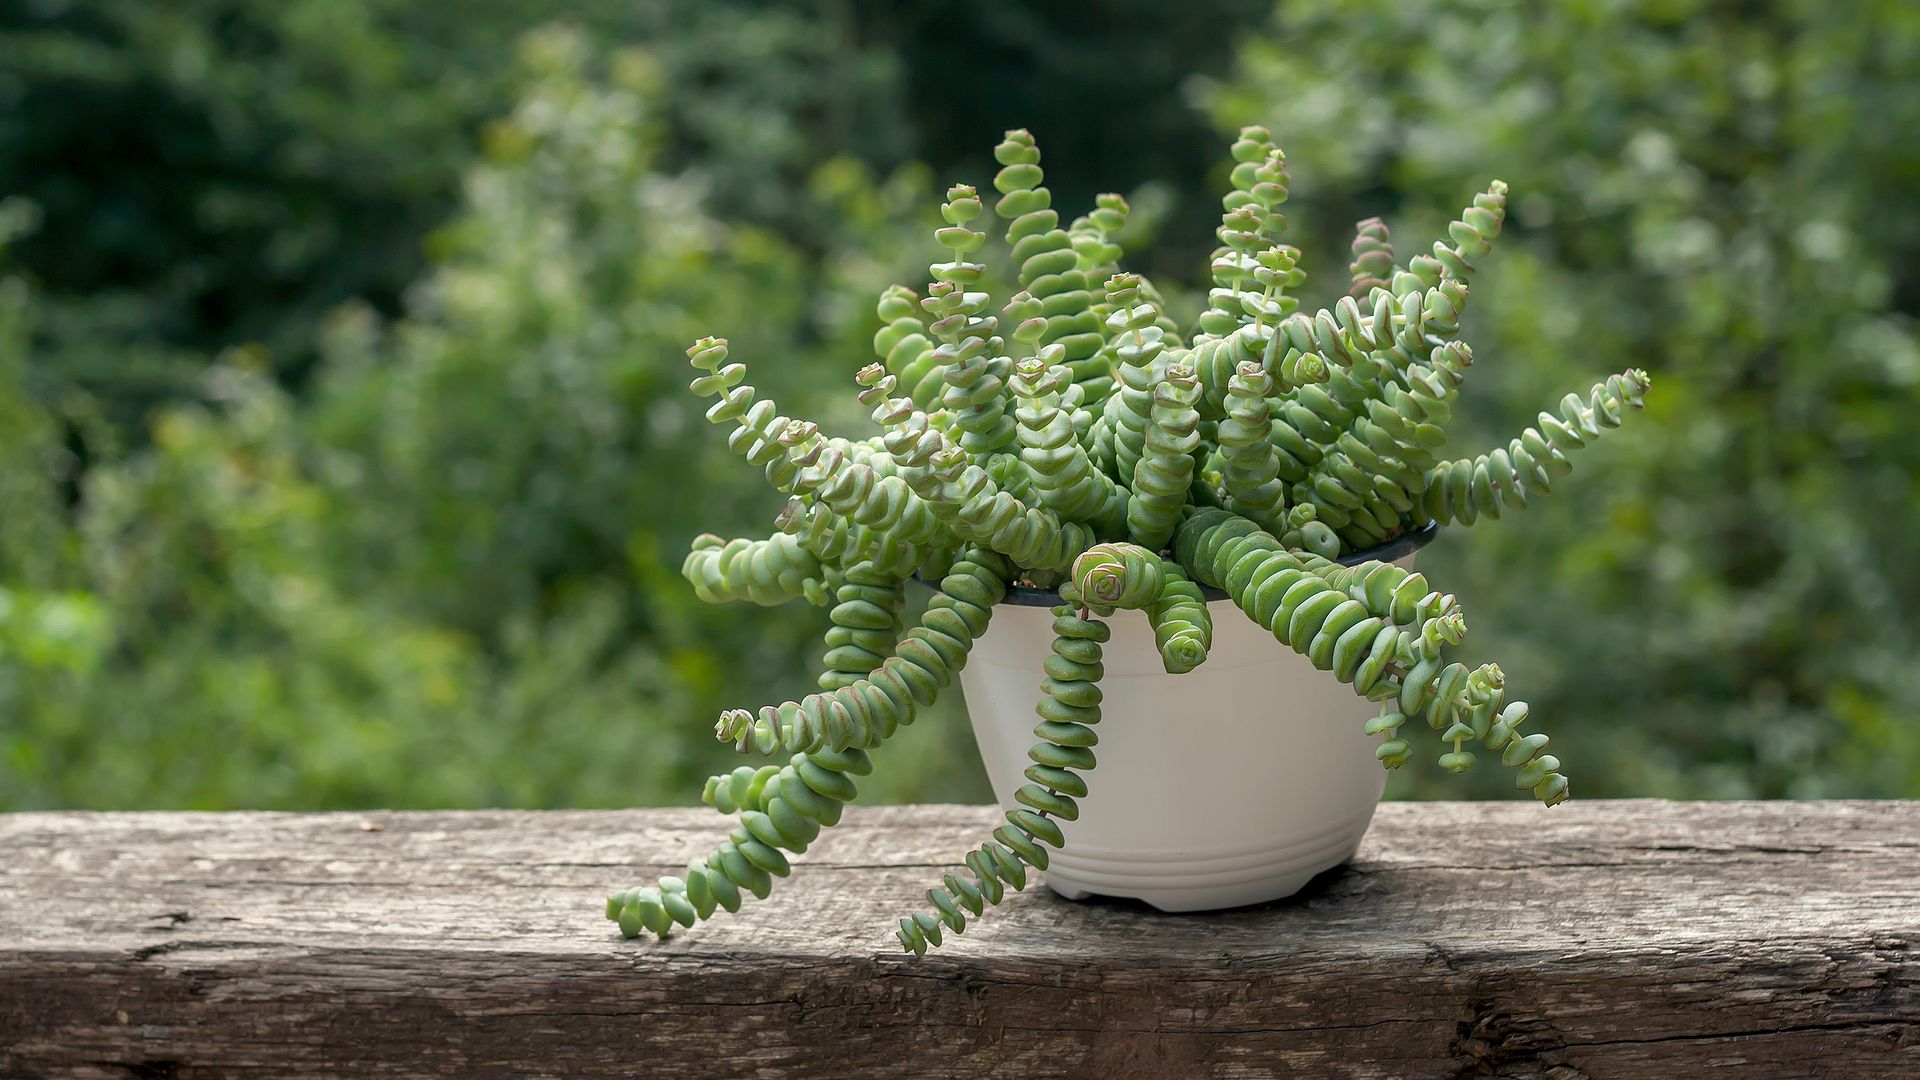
x=1078, y=440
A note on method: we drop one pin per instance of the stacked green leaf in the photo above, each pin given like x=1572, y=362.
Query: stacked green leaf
x=1093, y=448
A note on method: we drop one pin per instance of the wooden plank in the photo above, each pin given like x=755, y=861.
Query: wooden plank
x=1598, y=939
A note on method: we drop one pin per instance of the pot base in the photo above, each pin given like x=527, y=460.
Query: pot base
x=1173, y=882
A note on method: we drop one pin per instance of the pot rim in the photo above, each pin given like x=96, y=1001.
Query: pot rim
x=1397, y=548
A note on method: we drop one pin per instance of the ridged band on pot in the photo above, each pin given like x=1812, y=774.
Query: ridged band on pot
x=1398, y=550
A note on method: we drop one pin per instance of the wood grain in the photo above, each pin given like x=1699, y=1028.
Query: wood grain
x=1599, y=939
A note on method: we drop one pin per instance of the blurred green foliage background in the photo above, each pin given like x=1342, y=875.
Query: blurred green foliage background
x=345, y=458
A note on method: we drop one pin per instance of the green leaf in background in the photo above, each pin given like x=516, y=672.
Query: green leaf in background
x=345, y=458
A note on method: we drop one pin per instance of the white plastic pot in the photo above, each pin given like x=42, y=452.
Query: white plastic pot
x=1232, y=784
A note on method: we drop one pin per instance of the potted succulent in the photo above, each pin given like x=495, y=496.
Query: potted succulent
x=1173, y=502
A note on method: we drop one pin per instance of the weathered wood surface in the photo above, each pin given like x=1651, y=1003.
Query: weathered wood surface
x=1600, y=939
